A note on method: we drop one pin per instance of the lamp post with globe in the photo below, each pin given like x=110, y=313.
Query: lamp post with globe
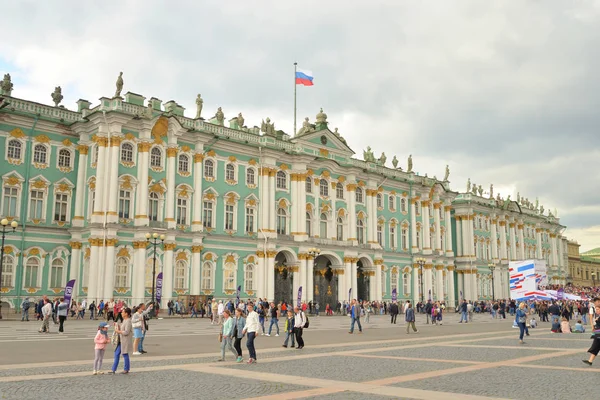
x=153, y=239
x=5, y=229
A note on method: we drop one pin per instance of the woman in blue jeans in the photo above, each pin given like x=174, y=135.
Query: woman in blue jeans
x=521, y=319
x=125, y=345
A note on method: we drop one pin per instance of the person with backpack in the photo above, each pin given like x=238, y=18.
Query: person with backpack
x=25, y=307
x=92, y=309
x=300, y=322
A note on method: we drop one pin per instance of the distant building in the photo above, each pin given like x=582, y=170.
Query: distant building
x=584, y=268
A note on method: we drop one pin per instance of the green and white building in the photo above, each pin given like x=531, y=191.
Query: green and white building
x=239, y=207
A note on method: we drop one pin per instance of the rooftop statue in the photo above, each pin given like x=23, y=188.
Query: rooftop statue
x=469, y=185
x=537, y=203
x=498, y=198
x=6, y=86
x=119, y=85
x=382, y=160
x=337, y=134
x=410, y=164
x=149, y=110
x=492, y=191
x=199, y=104
x=542, y=210
x=447, y=173
x=57, y=96
x=474, y=191
x=267, y=127
x=395, y=162
x=519, y=197
x=219, y=116
x=368, y=155
x=480, y=190
x=306, y=127
x=240, y=121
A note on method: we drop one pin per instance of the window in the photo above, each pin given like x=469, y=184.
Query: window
x=359, y=195
x=229, y=276
x=207, y=276
x=182, y=211
x=153, y=206
x=379, y=200
x=308, y=224
x=392, y=202
x=250, y=176
x=281, y=180
x=249, y=277
x=308, y=185
x=281, y=221
x=40, y=154
x=121, y=272
x=127, y=152
x=36, y=206
x=180, y=274
x=156, y=157
x=124, y=203
x=31, y=273
x=92, y=201
x=149, y=267
x=393, y=236
x=229, y=217
x=323, y=226
x=8, y=269
x=383, y=282
x=230, y=172
x=340, y=229
x=418, y=237
x=184, y=164
x=14, y=149
x=60, y=208
x=380, y=234
x=56, y=274
x=339, y=191
x=404, y=238
x=406, y=283
x=9, y=201
x=64, y=158
x=323, y=188
x=249, y=219
x=209, y=169
x=417, y=208
x=207, y=214
x=403, y=205
x=394, y=281
x=360, y=231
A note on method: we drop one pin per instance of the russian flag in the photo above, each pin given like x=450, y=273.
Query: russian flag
x=304, y=77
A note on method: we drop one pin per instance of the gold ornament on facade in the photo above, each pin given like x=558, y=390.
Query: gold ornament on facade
x=324, y=153
x=83, y=149
x=361, y=183
x=12, y=181
x=130, y=136
x=144, y=147
x=183, y=193
x=198, y=157
x=252, y=161
x=17, y=133
x=271, y=253
x=341, y=179
x=351, y=187
x=251, y=202
x=211, y=153
x=111, y=242
x=40, y=166
x=101, y=141
x=181, y=256
x=171, y=151
x=325, y=174
x=284, y=167
x=341, y=212
x=40, y=184
x=33, y=252
x=230, y=259
x=123, y=252
x=309, y=207
x=160, y=128
x=209, y=196
x=157, y=188
x=282, y=203
x=197, y=249
x=169, y=246
x=208, y=257
x=42, y=139
x=261, y=254
x=115, y=141
x=378, y=261
x=14, y=161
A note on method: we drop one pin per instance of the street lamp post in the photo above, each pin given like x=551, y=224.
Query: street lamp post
x=153, y=240
x=5, y=226
x=421, y=261
x=492, y=267
x=314, y=253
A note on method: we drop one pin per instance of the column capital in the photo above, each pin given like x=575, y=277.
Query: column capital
x=172, y=152
x=144, y=147
x=111, y=242
x=450, y=268
x=169, y=246
x=271, y=253
x=197, y=249
x=83, y=149
x=75, y=245
x=447, y=208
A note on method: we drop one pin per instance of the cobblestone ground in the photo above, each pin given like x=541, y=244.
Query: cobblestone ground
x=483, y=360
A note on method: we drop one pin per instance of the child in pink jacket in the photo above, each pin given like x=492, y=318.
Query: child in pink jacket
x=101, y=341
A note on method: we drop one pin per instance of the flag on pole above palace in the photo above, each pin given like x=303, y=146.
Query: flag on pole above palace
x=304, y=77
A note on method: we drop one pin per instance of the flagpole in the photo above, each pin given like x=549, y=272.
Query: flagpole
x=295, y=66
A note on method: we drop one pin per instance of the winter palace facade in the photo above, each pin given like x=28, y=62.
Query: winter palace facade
x=240, y=207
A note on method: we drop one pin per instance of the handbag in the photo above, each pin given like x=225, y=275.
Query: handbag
x=220, y=337
x=522, y=320
x=114, y=339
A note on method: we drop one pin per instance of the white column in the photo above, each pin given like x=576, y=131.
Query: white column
x=170, y=203
x=460, y=280
x=415, y=282
x=538, y=235
x=439, y=282
x=494, y=239
x=471, y=236
x=448, y=225
x=559, y=244
x=294, y=225
x=310, y=278
x=467, y=285
x=347, y=277
x=141, y=205
x=316, y=226
x=196, y=275
x=272, y=205
x=379, y=288
x=353, y=267
x=451, y=293
x=113, y=179
x=296, y=284
x=426, y=230
x=413, y=224
x=373, y=283
x=263, y=222
x=303, y=275
x=466, y=244
x=521, y=242
x=301, y=209
x=81, y=189
x=198, y=195
x=75, y=262
x=167, y=289
x=109, y=271
x=99, y=209
x=92, y=290
x=438, y=228
x=428, y=283
x=138, y=289
x=342, y=291
x=459, y=246
x=554, y=250
x=372, y=219
x=351, y=193
x=271, y=275
x=503, y=250
x=261, y=291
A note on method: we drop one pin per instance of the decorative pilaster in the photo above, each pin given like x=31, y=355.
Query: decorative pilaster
x=459, y=236
x=426, y=227
x=302, y=257
x=503, y=250
x=197, y=213
x=351, y=192
x=94, y=274
x=261, y=275
x=170, y=201
x=196, y=270
x=377, y=294
x=538, y=236
x=494, y=239
x=438, y=228
x=138, y=289
x=101, y=187
x=310, y=278
x=347, y=277
x=75, y=261
x=271, y=275
x=81, y=190
x=167, y=291
x=109, y=269
x=428, y=282
x=272, y=208
x=554, y=248
x=466, y=238
x=513, y=241
x=413, y=224
x=141, y=205
x=439, y=282
x=340, y=273
x=521, y=255
x=113, y=180
x=354, y=278
x=451, y=293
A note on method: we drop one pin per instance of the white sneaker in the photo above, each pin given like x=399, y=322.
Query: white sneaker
x=95, y=372
x=262, y=334
x=137, y=353
x=277, y=334
x=266, y=334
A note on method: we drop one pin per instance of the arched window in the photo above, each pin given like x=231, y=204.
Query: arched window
x=8, y=270
x=40, y=154
x=250, y=176
x=392, y=202
x=184, y=164
x=124, y=203
x=323, y=226
x=359, y=195
x=182, y=211
x=249, y=278
x=323, y=188
x=404, y=238
x=418, y=239
x=56, y=273
x=229, y=276
x=394, y=281
x=156, y=157
x=282, y=221
x=308, y=224
x=281, y=180
x=230, y=172
x=417, y=208
x=380, y=234
x=406, y=283
x=14, y=149
x=207, y=213
x=360, y=230
x=121, y=272
x=393, y=236
x=339, y=191
x=207, y=276
x=127, y=152
x=229, y=217
x=181, y=274
x=148, y=271
x=64, y=158
x=209, y=169
x=31, y=272
x=379, y=200
x=308, y=185
x=340, y=229
x=153, y=202
x=403, y=205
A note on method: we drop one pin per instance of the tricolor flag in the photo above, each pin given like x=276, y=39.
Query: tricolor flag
x=304, y=77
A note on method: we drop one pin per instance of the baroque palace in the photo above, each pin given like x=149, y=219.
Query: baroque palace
x=253, y=208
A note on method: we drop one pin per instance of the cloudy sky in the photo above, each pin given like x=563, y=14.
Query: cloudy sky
x=505, y=92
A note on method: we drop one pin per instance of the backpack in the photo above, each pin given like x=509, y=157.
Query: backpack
x=307, y=323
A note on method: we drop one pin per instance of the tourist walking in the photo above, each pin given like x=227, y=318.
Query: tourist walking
x=409, y=317
x=46, y=314
x=394, y=311
x=62, y=312
x=125, y=345
x=110, y=308
x=251, y=328
x=355, y=316
x=238, y=333
x=521, y=318
x=299, y=323
x=274, y=319
x=145, y=319
x=101, y=340
x=220, y=309
x=595, y=348
x=226, y=335
x=289, y=329
x=463, y=312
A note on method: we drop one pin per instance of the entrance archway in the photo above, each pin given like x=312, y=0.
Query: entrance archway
x=325, y=283
x=284, y=277
x=363, y=280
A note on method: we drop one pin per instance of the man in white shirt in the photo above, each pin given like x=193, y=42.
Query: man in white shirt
x=406, y=306
x=46, y=314
x=592, y=312
x=220, y=310
x=299, y=322
x=84, y=306
x=250, y=329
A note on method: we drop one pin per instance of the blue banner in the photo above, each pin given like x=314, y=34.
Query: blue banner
x=159, y=279
x=237, y=298
x=69, y=291
x=299, y=304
